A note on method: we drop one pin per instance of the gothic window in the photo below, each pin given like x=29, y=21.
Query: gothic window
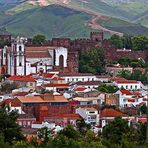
x=61, y=62
x=20, y=64
x=20, y=48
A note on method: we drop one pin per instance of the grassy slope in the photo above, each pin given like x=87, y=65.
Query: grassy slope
x=53, y=21
x=124, y=26
x=101, y=7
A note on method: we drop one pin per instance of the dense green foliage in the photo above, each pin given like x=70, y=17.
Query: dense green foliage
x=136, y=75
x=116, y=134
x=125, y=61
x=9, y=129
x=39, y=39
x=135, y=43
x=108, y=88
x=92, y=61
x=7, y=87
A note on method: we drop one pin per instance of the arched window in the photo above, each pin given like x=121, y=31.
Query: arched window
x=61, y=61
x=20, y=48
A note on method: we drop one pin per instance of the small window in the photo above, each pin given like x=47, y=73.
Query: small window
x=131, y=87
x=135, y=86
x=20, y=48
x=20, y=64
x=126, y=86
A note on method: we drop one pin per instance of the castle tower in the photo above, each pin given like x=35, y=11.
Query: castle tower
x=18, y=58
x=97, y=36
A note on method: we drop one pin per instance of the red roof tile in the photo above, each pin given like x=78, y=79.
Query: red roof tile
x=126, y=81
x=71, y=116
x=80, y=89
x=125, y=92
x=110, y=112
x=57, y=79
x=47, y=75
x=57, y=85
x=22, y=78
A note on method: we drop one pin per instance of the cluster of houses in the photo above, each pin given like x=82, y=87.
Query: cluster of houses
x=46, y=97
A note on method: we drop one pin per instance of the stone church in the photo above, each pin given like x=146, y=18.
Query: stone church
x=21, y=60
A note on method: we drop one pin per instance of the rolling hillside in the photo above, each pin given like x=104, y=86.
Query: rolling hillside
x=52, y=21
x=70, y=18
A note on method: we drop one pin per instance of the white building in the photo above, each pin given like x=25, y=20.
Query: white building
x=89, y=114
x=115, y=69
x=23, y=60
x=128, y=84
x=76, y=77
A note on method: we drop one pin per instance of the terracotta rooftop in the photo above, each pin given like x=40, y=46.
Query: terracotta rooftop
x=110, y=112
x=57, y=85
x=57, y=79
x=81, y=89
x=38, y=54
x=22, y=78
x=126, y=81
x=89, y=83
x=47, y=75
x=71, y=116
x=76, y=74
x=20, y=93
x=126, y=92
x=41, y=99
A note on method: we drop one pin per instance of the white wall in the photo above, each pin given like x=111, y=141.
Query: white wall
x=79, y=78
x=58, y=52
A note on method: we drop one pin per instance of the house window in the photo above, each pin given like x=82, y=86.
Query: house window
x=126, y=86
x=76, y=79
x=20, y=64
x=82, y=79
x=68, y=79
x=131, y=87
x=135, y=86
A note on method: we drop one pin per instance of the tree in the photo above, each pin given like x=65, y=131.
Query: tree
x=124, y=74
x=82, y=127
x=8, y=126
x=127, y=41
x=92, y=61
x=45, y=134
x=116, y=41
x=70, y=132
x=140, y=43
x=108, y=88
x=7, y=87
x=22, y=144
x=114, y=131
x=39, y=39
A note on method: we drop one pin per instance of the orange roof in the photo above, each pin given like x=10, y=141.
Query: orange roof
x=80, y=89
x=110, y=112
x=22, y=78
x=126, y=92
x=15, y=78
x=117, y=79
x=57, y=85
x=126, y=81
x=71, y=116
x=40, y=99
x=57, y=79
x=47, y=75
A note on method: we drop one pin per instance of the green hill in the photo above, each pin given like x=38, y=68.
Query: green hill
x=53, y=21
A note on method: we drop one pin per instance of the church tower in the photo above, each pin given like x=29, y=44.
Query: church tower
x=18, y=58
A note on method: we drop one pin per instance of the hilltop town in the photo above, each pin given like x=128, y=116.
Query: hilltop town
x=65, y=84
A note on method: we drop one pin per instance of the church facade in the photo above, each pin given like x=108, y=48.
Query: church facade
x=21, y=60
